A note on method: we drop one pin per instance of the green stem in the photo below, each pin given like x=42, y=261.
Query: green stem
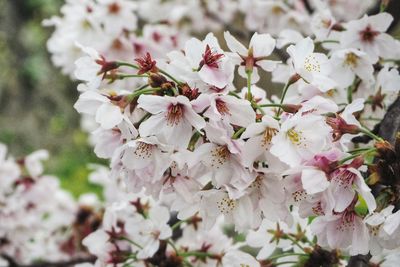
x=285, y=89
x=123, y=76
x=286, y=255
x=127, y=64
x=169, y=76
x=237, y=134
x=130, y=241
x=370, y=134
x=358, y=150
x=197, y=254
x=193, y=140
x=329, y=41
x=285, y=262
x=271, y=105
x=234, y=94
x=294, y=241
x=249, y=95
x=177, y=224
x=343, y=161
x=173, y=246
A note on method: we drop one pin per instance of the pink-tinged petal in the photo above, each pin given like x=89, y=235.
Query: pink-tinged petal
x=234, y=45
x=314, y=181
x=201, y=103
x=365, y=192
x=153, y=125
x=344, y=198
x=159, y=214
x=300, y=51
x=262, y=44
x=381, y=21
x=194, y=50
x=153, y=104
x=253, y=130
x=268, y=65
x=108, y=115
x=392, y=223
x=213, y=76
x=89, y=102
x=193, y=118
x=252, y=150
x=240, y=111
x=359, y=244
x=178, y=135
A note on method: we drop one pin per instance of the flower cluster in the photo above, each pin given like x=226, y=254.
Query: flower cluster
x=277, y=156
x=189, y=136
x=123, y=29
x=33, y=223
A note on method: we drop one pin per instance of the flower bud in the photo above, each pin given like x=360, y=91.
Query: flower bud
x=156, y=80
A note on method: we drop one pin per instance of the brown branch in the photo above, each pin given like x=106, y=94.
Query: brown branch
x=72, y=262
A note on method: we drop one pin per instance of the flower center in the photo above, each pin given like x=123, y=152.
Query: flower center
x=222, y=107
x=351, y=59
x=226, y=205
x=294, y=136
x=344, y=177
x=311, y=64
x=114, y=8
x=347, y=221
x=267, y=137
x=368, y=35
x=174, y=114
x=220, y=155
x=210, y=58
x=144, y=150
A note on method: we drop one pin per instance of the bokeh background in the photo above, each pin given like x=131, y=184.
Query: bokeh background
x=36, y=100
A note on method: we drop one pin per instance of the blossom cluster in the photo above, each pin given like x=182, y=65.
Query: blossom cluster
x=182, y=135
x=187, y=134
x=124, y=29
x=33, y=222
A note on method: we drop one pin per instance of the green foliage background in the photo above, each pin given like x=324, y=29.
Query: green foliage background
x=36, y=99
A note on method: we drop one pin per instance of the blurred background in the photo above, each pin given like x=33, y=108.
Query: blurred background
x=36, y=100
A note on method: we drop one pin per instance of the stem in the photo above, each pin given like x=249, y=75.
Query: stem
x=271, y=105
x=123, y=76
x=329, y=41
x=193, y=140
x=169, y=76
x=285, y=89
x=285, y=255
x=197, y=254
x=295, y=242
x=358, y=150
x=234, y=94
x=177, y=224
x=173, y=246
x=249, y=95
x=238, y=133
x=341, y=162
x=127, y=64
x=350, y=94
x=370, y=134
x=284, y=262
x=130, y=241
x=142, y=91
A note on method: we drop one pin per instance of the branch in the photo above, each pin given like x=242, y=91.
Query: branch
x=13, y=263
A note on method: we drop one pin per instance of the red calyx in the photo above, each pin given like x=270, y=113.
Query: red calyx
x=146, y=64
